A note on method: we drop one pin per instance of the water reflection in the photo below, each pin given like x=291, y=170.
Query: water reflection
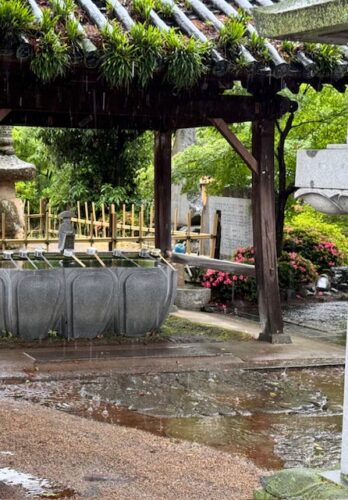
x=280, y=418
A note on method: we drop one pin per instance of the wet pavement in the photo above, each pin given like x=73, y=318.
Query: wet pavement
x=325, y=320
x=283, y=418
x=241, y=397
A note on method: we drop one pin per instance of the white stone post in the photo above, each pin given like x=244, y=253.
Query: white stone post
x=344, y=453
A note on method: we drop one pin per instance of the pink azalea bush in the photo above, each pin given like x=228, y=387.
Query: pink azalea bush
x=222, y=284
x=294, y=271
x=313, y=246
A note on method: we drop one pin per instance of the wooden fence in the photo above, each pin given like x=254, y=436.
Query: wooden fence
x=104, y=224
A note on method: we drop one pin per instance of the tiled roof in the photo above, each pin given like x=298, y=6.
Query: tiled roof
x=202, y=20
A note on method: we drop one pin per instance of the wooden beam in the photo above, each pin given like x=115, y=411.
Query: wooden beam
x=233, y=140
x=4, y=113
x=208, y=263
x=75, y=103
x=264, y=232
x=163, y=185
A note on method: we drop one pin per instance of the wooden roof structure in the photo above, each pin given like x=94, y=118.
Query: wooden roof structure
x=83, y=63
x=83, y=97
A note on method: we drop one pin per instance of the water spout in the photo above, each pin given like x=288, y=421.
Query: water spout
x=121, y=255
x=39, y=254
x=7, y=254
x=93, y=251
x=71, y=254
x=24, y=254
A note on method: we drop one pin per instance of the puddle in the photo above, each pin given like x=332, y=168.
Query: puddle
x=277, y=419
x=34, y=486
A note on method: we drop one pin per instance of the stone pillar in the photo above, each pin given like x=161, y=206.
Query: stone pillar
x=12, y=170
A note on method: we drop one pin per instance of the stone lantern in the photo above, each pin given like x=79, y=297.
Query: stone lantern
x=12, y=170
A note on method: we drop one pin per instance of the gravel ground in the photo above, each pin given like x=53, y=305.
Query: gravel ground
x=103, y=461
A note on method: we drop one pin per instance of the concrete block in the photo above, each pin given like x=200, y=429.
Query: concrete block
x=192, y=298
x=323, y=169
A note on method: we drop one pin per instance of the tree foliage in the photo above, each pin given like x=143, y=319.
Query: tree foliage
x=321, y=119
x=84, y=165
x=212, y=156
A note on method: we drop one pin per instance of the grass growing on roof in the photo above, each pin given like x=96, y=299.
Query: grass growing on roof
x=51, y=53
x=257, y=47
x=185, y=60
x=231, y=37
x=327, y=57
x=118, y=58
x=163, y=8
x=147, y=43
x=143, y=8
x=15, y=19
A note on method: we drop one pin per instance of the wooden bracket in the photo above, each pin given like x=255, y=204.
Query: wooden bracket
x=233, y=140
x=3, y=113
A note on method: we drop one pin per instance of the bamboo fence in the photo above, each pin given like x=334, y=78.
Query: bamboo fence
x=104, y=224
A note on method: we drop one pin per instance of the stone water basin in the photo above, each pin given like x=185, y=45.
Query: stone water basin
x=76, y=302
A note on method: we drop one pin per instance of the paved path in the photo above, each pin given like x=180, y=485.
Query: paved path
x=74, y=360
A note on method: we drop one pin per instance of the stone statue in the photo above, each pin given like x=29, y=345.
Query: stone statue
x=66, y=232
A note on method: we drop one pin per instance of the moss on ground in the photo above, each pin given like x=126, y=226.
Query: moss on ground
x=177, y=327
x=173, y=327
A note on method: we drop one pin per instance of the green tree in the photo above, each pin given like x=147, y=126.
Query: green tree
x=84, y=165
x=320, y=119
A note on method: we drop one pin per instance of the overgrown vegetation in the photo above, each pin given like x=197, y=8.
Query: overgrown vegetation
x=327, y=57
x=184, y=59
x=148, y=50
x=118, y=58
x=16, y=19
x=231, y=37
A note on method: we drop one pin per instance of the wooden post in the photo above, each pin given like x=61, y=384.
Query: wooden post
x=141, y=225
x=47, y=231
x=163, y=149
x=132, y=220
x=42, y=218
x=113, y=227
x=188, y=232
x=104, y=220
x=124, y=220
x=94, y=220
x=265, y=234
x=3, y=230
x=79, y=231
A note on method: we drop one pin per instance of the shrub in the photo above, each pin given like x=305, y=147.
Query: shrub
x=222, y=285
x=313, y=246
x=294, y=271
x=309, y=221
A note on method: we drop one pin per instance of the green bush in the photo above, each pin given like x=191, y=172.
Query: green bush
x=310, y=221
x=314, y=247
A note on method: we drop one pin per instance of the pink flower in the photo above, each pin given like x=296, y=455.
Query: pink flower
x=235, y=277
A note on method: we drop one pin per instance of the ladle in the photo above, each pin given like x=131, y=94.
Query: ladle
x=24, y=254
x=39, y=254
x=120, y=254
x=8, y=256
x=93, y=251
x=70, y=253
